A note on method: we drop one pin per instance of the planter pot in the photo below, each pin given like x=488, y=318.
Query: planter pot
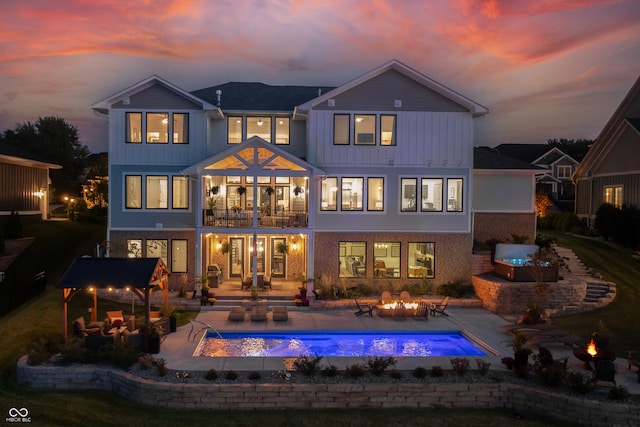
x=173, y=323
x=152, y=344
x=521, y=362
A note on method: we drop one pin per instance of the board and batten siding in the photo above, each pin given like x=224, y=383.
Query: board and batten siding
x=422, y=139
x=497, y=193
x=18, y=185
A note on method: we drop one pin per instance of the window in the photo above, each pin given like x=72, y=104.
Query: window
x=234, y=130
x=352, y=259
x=157, y=128
x=387, y=130
x=282, y=130
x=352, y=194
x=157, y=249
x=157, y=197
x=329, y=194
x=133, y=191
x=375, y=194
x=179, y=256
x=365, y=129
x=431, y=194
x=341, y=129
x=421, y=260
x=180, y=128
x=386, y=259
x=564, y=171
x=408, y=192
x=613, y=195
x=133, y=128
x=180, y=193
x=259, y=126
x=454, y=195
x=134, y=248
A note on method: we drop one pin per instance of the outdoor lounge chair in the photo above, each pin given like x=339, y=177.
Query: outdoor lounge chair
x=439, y=307
x=280, y=314
x=259, y=313
x=237, y=314
x=363, y=308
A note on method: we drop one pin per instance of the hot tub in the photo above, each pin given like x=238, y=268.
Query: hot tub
x=514, y=263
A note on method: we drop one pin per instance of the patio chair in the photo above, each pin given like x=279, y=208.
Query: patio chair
x=280, y=314
x=259, y=313
x=386, y=298
x=237, y=314
x=405, y=297
x=363, y=308
x=423, y=311
x=633, y=360
x=605, y=371
x=439, y=307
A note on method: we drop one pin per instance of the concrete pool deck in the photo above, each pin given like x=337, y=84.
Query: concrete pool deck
x=177, y=349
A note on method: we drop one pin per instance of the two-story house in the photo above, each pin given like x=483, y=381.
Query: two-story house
x=557, y=182
x=372, y=180
x=609, y=172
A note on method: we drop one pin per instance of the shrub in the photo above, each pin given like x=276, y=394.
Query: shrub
x=211, y=375
x=551, y=376
x=354, y=371
x=329, y=371
x=607, y=216
x=13, y=227
x=254, y=376
x=161, y=367
x=460, y=366
x=455, y=289
x=77, y=210
x=307, y=365
x=579, y=382
x=231, y=375
x=41, y=350
x=419, y=372
x=377, y=365
x=483, y=367
x=396, y=375
x=437, y=371
x=145, y=361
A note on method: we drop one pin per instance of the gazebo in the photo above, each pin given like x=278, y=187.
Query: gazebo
x=138, y=275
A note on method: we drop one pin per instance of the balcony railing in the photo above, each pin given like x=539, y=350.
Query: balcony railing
x=242, y=218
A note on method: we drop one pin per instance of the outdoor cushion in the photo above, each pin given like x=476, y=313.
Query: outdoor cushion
x=115, y=315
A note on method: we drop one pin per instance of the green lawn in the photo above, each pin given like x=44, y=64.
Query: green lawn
x=58, y=243
x=622, y=316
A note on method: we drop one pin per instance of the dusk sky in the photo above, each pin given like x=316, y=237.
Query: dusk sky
x=544, y=68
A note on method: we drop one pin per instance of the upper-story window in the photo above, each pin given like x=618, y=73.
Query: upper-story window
x=368, y=129
x=454, y=195
x=271, y=129
x=613, y=195
x=365, y=129
x=352, y=194
x=156, y=192
x=429, y=194
x=158, y=128
x=564, y=171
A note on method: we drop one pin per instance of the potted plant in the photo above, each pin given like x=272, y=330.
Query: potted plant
x=282, y=248
x=224, y=247
x=520, y=353
x=297, y=190
x=152, y=331
x=241, y=190
x=172, y=313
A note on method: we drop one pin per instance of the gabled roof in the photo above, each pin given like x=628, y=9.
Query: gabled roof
x=118, y=273
x=12, y=154
x=253, y=156
x=485, y=158
x=238, y=96
x=525, y=152
x=627, y=112
x=103, y=105
x=475, y=108
x=635, y=123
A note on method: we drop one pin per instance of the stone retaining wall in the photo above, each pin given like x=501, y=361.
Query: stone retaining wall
x=503, y=297
x=527, y=400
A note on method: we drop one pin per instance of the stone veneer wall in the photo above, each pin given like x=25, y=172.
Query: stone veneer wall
x=452, y=255
x=501, y=226
x=118, y=248
x=545, y=402
x=503, y=297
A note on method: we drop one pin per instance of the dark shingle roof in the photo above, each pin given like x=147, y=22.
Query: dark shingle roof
x=526, y=152
x=104, y=272
x=259, y=96
x=490, y=158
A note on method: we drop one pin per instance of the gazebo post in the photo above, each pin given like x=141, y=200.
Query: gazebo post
x=63, y=317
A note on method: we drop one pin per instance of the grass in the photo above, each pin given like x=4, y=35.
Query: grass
x=58, y=243
x=621, y=317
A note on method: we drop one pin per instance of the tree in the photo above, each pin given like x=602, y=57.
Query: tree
x=543, y=204
x=576, y=148
x=55, y=141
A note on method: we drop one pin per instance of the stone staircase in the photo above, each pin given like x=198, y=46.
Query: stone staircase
x=225, y=302
x=598, y=293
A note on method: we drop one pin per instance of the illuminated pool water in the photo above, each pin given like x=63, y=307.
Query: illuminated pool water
x=337, y=343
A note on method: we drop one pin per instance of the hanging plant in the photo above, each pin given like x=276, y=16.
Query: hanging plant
x=224, y=248
x=297, y=190
x=269, y=190
x=282, y=248
x=214, y=190
x=241, y=190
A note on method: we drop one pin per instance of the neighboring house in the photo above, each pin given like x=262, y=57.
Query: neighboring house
x=370, y=180
x=610, y=172
x=24, y=183
x=503, y=196
x=556, y=183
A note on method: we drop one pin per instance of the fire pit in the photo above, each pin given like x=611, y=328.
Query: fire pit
x=387, y=310
x=592, y=354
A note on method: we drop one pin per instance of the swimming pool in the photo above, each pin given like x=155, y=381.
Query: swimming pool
x=338, y=344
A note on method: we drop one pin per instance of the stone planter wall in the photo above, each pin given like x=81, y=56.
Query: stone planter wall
x=528, y=400
x=503, y=297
